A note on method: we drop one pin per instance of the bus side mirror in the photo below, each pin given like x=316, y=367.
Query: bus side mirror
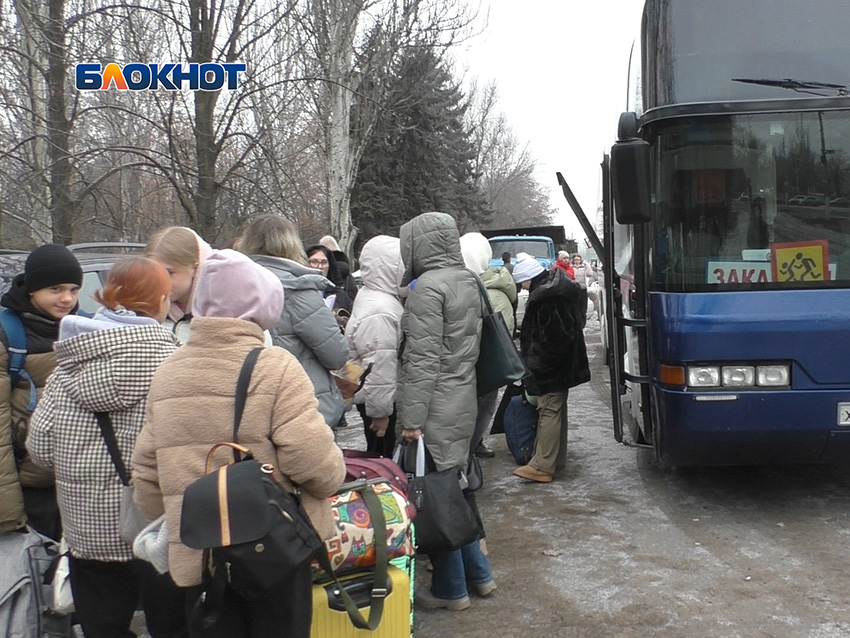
x=630, y=178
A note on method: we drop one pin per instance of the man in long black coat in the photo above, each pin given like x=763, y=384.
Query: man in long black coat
x=552, y=346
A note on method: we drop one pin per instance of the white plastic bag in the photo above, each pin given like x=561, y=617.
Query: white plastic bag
x=63, y=600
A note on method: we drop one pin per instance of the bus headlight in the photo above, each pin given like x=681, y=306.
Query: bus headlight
x=704, y=376
x=773, y=375
x=738, y=376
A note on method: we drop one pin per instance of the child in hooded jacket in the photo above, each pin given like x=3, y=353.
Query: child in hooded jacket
x=105, y=364
x=39, y=297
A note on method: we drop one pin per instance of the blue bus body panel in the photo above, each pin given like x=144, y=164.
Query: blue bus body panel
x=810, y=329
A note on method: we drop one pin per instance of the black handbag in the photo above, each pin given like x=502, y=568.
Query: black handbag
x=474, y=474
x=254, y=532
x=499, y=362
x=444, y=520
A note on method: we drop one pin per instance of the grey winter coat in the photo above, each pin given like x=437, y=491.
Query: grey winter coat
x=374, y=329
x=308, y=329
x=442, y=328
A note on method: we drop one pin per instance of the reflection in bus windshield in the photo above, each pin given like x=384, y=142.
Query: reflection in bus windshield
x=741, y=196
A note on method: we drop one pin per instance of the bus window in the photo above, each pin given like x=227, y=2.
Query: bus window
x=730, y=188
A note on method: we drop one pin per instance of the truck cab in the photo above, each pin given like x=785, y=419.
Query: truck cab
x=543, y=248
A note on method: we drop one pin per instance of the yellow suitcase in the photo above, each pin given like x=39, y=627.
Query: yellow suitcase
x=330, y=620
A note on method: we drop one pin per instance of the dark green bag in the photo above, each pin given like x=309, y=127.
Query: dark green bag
x=499, y=362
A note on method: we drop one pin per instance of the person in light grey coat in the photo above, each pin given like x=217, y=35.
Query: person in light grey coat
x=308, y=330
x=307, y=327
x=374, y=336
x=438, y=395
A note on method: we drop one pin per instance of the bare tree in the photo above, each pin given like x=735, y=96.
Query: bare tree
x=506, y=169
x=352, y=48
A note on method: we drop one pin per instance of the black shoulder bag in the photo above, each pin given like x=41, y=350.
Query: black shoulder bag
x=254, y=533
x=131, y=521
x=499, y=363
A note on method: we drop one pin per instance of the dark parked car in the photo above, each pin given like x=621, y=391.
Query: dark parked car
x=95, y=258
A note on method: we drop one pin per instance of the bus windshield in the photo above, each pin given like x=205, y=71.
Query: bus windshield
x=751, y=201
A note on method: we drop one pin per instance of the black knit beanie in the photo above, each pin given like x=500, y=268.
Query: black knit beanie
x=51, y=265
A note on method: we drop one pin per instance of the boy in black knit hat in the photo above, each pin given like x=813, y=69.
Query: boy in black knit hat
x=39, y=297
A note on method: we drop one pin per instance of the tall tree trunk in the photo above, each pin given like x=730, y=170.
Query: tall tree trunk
x=207, y=156
x=58, y=125
x=35, y=122
x=341, y=18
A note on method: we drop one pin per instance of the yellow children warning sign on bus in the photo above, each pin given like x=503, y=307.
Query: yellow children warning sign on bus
x=800, y=261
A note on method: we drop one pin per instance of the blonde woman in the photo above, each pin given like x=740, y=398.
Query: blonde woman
x=307, y=328
x=181, y=251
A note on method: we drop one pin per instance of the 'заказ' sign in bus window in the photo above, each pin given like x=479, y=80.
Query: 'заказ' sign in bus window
x=750, y=271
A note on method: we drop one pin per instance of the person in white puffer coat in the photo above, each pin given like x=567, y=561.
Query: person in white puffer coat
x=374, y=335
x=501, y=289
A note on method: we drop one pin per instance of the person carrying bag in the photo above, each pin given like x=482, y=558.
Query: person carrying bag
x=189, y=413
x=254, y=532
x=437, y=396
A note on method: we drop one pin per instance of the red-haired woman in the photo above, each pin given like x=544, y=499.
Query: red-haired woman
x=105, y=364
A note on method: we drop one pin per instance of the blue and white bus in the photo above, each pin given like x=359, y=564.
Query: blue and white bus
x=726, y=235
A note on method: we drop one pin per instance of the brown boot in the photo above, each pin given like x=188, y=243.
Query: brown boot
x=533, y=474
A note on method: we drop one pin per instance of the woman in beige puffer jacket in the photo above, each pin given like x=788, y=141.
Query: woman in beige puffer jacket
x=190, y=409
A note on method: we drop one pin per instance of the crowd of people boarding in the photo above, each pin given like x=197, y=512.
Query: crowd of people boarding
x=156, y=366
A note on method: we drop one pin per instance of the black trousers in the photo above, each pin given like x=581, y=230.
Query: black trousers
x=106, y=595
x=383, y=445
x=285, y=611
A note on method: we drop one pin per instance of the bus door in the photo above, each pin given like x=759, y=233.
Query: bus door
x=623, y=329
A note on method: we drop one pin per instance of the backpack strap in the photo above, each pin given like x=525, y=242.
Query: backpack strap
x=242, y=393
x=13, y=326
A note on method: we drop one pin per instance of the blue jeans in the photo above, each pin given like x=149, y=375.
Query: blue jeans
x=452, y=570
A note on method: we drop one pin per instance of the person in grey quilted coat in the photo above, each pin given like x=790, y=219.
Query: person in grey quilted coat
x=438, y=396
x=307, y=327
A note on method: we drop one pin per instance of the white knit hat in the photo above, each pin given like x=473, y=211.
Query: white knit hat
x=152, y=544
x=527, y=267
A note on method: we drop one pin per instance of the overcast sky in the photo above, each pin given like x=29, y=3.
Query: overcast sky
x=561, y=70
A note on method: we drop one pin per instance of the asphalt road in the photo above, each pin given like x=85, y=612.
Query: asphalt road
x=619, y=547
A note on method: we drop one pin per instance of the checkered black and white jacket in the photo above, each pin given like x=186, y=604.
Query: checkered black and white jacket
x=99, y=370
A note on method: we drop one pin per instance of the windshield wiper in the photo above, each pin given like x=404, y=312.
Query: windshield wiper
x=811, y=88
